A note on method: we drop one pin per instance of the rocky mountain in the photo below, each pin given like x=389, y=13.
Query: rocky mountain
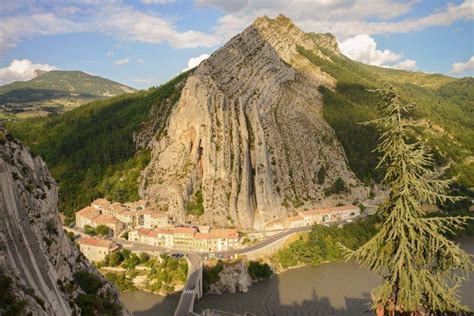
x=268, y=125
x=41, y=271
x=248, y=132
x=55, y=92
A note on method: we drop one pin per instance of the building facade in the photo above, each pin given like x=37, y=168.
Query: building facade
x=96, y=249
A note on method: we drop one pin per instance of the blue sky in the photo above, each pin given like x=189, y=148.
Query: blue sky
x=147, y=42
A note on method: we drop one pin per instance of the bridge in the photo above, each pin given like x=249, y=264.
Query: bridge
x=193, y=287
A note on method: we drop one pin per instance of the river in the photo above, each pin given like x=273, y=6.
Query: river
x=328, y=289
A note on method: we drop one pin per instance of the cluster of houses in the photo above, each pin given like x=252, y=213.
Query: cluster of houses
x=154, y=228
x=200, y=238
x=119, y=217
x=146, y=226
x=323, y=215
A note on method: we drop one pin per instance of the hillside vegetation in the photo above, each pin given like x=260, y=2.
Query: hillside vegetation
x=444, y=110
x=90, y=150
x=54, y=92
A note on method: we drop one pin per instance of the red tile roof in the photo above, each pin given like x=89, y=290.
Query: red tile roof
x=101, y=203
x=223, y=233
x=105, y=219
x=184, y=230
x=88, y=212
x=103, y=243
x=164, y=231
x=295, y=218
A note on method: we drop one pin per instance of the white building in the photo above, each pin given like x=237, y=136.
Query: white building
x=331, y=214
x=96, y=249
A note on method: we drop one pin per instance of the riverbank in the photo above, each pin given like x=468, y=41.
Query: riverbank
x=334, y=288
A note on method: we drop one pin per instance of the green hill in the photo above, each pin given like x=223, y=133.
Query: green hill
x=444, y=111
x=90, y=150
x=55, y=92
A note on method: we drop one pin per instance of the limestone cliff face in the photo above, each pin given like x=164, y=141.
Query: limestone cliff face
x=233, y=278
x=248, y=132
x=35, y=253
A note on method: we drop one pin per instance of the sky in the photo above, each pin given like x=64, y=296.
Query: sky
x=145, y=43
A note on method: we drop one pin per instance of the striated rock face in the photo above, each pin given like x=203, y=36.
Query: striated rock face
x=36, y=256
x=233, y=278
x=248, y=132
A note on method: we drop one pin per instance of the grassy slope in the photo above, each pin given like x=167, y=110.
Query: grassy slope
x=90, y=150
x=55, y=92
x=69, y=82
x=446, y=102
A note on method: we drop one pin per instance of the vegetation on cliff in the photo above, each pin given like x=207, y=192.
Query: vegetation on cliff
x=90, y=150
x=161, y=275
x=323, y=243
x=92, y=301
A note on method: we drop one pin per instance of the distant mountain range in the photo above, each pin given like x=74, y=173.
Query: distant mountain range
x=55, y=91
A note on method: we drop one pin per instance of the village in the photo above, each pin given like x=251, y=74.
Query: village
x=136, y=223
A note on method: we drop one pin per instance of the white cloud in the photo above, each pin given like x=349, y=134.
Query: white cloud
x=407, y=64
x=116, y=18
x=195, y=61
x=110, y=53
x=459, y=68
x=363, y=48
x=340, y=17
x=122, y=61
x=130, y=24
x=140, y=60
x=13, y=29
x=21, y=70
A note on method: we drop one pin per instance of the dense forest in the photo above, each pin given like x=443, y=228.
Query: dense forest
x=90, y=150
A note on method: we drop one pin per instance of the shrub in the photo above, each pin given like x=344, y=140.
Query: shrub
x=88, y=282
x=259, y=271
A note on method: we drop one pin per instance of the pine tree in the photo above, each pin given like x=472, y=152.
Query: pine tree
x=421, y=269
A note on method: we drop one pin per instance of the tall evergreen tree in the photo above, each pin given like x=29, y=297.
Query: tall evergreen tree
x=420, y=267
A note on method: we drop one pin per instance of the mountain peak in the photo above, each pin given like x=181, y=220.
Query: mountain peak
x=283, y=27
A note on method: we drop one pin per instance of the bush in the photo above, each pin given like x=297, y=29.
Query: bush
x=121, y=280
x=103, y=231
x=321, y=176
x=259, y=271
x=89, y=230
x=196, y=207
x=323, y=243
x=88, y=282
x=9, y=303
x=339, y=186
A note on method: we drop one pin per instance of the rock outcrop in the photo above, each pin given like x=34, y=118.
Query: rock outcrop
x=247, y=137
x=233, y=278
x=37, y=260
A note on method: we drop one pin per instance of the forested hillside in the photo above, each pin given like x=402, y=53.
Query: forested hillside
x=90, y=150
x=444, y=110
